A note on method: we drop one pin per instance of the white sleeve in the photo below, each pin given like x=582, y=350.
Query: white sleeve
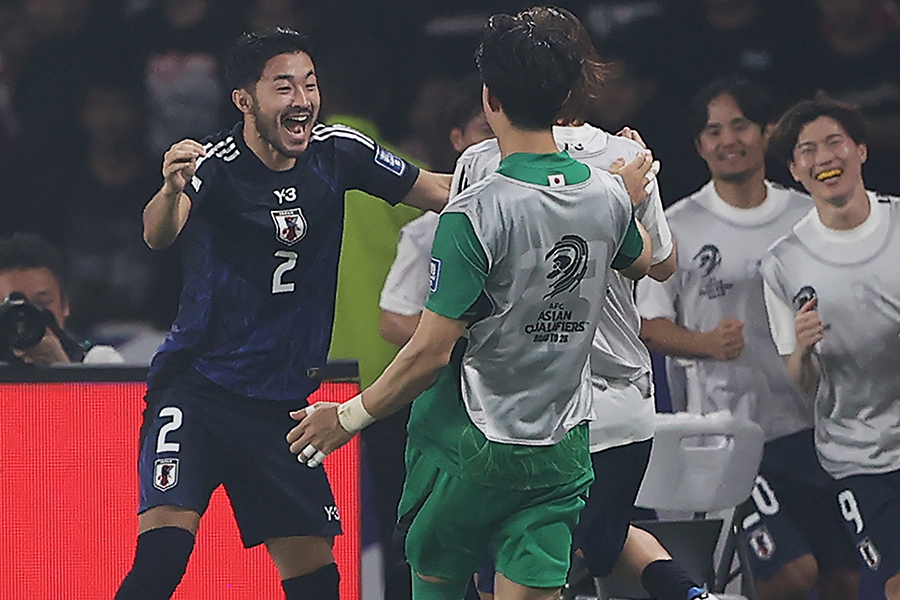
x=781, y=321
x=406, y=285
x=656, y=299
x=653, y=218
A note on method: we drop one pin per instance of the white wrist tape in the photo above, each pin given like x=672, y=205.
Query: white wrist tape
x=353, y=416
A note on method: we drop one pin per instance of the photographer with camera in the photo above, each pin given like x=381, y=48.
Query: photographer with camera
x=34, y=309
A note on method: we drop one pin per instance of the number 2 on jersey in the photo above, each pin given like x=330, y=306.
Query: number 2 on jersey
x=290, y=261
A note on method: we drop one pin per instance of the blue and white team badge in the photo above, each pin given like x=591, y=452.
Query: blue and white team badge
x=389, y=161
x=434, y=274
x=165, y=473
x=290, y=225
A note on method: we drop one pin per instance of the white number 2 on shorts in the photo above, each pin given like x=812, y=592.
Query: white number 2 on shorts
x=161, y=444
x=850, y=509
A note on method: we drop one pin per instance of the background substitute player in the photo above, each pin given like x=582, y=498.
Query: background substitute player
x=833, y=296
x=501, y=466
x=257, y=212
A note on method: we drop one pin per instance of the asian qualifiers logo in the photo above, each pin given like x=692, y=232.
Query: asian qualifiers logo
x=569, y=260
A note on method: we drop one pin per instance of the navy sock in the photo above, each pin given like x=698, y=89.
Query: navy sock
x=321, y=584
x=666, y=580
x=159, y=564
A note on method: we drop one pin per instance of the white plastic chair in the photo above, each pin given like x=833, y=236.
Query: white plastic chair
x=699, y=464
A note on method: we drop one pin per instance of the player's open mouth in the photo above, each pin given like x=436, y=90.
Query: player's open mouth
x=296, y=124
x=829, y=174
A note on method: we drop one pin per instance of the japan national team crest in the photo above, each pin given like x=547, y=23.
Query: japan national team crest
x=165, y=473
x=290, y=225
x=762, y=543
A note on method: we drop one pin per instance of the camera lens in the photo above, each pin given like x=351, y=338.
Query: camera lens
x=22, y=324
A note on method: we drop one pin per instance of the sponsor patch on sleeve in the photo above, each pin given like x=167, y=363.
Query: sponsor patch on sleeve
x=434, y=272
x=390, y=161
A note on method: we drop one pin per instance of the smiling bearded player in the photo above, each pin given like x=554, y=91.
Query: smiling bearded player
x=257, y=213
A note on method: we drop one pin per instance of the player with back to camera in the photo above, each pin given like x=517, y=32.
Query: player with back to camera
x=257, y=212
x=621, y=434
x=499, y=464
x=832, y=292
x=710, y=318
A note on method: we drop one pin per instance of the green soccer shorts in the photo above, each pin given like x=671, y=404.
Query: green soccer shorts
x=453, y=526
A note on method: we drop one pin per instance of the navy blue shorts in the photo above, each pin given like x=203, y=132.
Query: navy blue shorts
x=792, y=511
x=870, y=505
x=197, y=436
x=604, y=522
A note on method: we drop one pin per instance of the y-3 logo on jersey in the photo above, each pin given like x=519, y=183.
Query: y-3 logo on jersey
x=569, y=260
x=806, y=293
x=290, y=225
x=285, y=195
x=707, y=261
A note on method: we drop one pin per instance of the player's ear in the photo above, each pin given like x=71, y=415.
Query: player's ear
x=863, y=152
x=242, y=100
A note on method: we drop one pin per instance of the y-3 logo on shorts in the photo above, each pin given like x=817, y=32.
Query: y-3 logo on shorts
x=331, y=513
x=707, y=261
x=569, y=260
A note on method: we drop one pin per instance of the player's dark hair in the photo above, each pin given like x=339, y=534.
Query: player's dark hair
x=29, y=251
x=463, y=102
x=754, y=101
x=529, y=67
x=251, y=51
x=787, y=130
x=593, y=70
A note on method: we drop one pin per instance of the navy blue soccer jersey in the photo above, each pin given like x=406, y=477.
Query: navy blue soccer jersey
x=260, y=258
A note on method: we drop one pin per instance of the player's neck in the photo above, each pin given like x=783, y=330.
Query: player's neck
x=742, y=193
x=845, y=214
x=515, y=140
x=266, y=152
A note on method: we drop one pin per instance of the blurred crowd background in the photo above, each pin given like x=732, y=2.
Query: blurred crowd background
x=92, y=92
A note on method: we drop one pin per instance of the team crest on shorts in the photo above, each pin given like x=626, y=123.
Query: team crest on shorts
x=165, y=473
x=870, y=554
x=762, y=543
x=290, y=225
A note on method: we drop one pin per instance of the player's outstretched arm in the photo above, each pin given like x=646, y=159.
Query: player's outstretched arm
x=396, y=328
x=430, y=191
x=416, y=366
x=167, y=212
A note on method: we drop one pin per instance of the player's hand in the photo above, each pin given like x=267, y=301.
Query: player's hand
x=49, y=351
x=808, y=326
x=726, y=341
x=635, y=175
x=180, y=164
x=318, y=434
x=632, y=134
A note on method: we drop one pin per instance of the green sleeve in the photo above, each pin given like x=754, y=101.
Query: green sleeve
x=459, y=267
x=631, y=248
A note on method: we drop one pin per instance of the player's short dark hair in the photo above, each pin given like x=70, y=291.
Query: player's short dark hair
x=22, y=251
x=529, y=67
x=787, y=130
x=593, y=70
x=754, y=101
x=251, y=51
